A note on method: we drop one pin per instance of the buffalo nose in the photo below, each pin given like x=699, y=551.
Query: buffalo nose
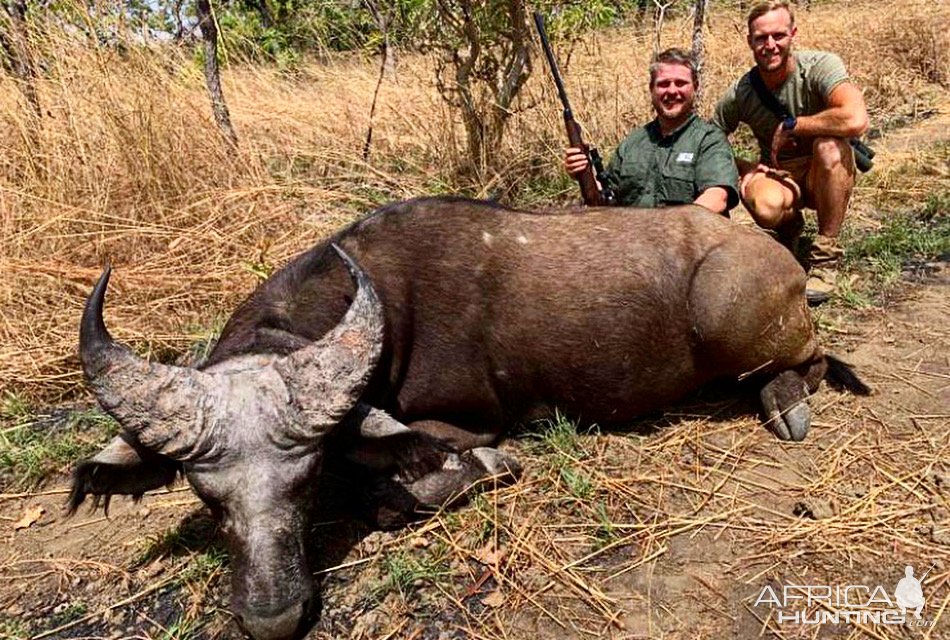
x=283, y=626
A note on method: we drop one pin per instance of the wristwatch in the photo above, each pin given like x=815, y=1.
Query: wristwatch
x=788, y=124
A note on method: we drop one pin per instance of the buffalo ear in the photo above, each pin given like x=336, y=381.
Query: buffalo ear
x=124, y=467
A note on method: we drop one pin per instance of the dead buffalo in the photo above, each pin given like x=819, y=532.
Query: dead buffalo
x=466, y=318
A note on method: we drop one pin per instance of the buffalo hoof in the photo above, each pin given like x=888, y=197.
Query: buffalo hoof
x=786, y=411
x=496, y=463
x=793, y=424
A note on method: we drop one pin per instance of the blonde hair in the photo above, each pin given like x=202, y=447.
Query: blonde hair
x=759, y=9
x=673, y=55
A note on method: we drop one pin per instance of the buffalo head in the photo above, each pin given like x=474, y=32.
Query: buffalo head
x=247, y=433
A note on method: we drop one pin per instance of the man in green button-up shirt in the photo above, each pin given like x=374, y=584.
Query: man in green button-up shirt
x=678, y=158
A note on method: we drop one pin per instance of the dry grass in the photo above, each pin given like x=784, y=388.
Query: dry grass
x=670, y=535
x=125, y=164
x=674, y=535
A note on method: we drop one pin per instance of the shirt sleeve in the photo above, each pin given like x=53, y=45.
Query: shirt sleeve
x=726, y=115
x=826, y=74
x=716, y=166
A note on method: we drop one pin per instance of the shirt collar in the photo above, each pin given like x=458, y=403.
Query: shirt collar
x=654, y=129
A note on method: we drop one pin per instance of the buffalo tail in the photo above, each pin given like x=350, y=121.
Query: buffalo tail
x=842, y=377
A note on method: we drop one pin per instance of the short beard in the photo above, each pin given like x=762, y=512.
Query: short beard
x=782, y=62
x=683, y=107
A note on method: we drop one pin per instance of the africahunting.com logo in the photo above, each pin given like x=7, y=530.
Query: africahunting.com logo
x=849, y=604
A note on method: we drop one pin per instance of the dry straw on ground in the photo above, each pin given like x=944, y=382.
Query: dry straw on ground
x=125, y=164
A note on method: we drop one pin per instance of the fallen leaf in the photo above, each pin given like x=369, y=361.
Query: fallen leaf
x=489, y=555
x=473, y=588
x=494, y=599
x=418, y=542
x=30, y=516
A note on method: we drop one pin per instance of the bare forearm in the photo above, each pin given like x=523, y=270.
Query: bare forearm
x=838, y=122
x=714, y=198
x=846, y=116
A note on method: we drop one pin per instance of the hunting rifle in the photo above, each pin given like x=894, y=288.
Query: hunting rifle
x=593, y=194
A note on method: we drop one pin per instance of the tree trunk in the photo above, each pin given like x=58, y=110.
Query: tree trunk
x=389, y=58
x=699, y=45
x=384, y=18
x=490, y=64
x=176, y=9
x=474, y=128
x=267, y=20
x=14, y=38
x=518, y=64
x=659, y=17
x=209, y=33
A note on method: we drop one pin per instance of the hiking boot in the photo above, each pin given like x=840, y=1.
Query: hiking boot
x=823, y=257
x=821, y=285
x=824, y=250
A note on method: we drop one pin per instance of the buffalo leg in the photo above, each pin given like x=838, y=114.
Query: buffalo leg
x=428, y=464
x=382, y=443
x=458, y=438
x=814, y=372
x=784, y=402
x=396, y=501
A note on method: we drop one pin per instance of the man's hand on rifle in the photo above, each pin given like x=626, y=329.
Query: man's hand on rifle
x=575, y=160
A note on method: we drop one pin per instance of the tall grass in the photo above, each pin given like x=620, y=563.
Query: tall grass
x=124, y=163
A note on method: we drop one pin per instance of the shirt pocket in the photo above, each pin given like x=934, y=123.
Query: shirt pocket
x=679, y=179
x=631, y=181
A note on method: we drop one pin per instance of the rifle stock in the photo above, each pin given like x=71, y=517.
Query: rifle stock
x=592, y=193
x=586, y=178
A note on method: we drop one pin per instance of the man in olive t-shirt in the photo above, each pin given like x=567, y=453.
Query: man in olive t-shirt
x=805, y=160
x=677, y=158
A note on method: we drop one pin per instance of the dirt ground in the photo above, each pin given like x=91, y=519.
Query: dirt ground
x=681, y=525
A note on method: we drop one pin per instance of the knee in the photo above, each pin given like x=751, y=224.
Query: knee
x=767, y=206
x=830, y=153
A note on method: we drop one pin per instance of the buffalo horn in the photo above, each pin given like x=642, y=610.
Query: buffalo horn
x=327, y=377
x=160, y=405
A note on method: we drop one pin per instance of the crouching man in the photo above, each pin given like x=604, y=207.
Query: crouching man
x=803, y=131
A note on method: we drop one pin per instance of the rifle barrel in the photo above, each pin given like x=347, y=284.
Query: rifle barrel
x=552, y=63
x=591, y=191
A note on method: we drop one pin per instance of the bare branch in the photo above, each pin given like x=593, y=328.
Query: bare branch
x=658, y=17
